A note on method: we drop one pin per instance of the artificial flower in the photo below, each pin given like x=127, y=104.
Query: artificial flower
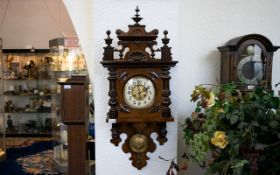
x=219, y=139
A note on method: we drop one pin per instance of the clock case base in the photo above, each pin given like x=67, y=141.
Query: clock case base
x=139, y=159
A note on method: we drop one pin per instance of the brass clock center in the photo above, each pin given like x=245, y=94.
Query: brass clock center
x=139, y=92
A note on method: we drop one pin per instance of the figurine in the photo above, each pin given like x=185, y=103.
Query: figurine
x=10, y=123
x=9, y=107
x=30, y=68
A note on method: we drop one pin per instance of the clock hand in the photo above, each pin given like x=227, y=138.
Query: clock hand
x=139, y=91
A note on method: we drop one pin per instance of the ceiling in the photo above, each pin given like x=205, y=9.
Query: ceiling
x=25, y=23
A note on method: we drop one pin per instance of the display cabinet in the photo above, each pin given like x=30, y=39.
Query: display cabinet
x=2, y=120
x=28, y=92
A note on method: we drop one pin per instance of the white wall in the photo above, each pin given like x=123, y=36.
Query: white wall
x=204, y=25
x=196, y=31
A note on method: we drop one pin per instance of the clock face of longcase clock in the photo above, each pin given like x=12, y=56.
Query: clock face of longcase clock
x=250, y=67
x=139, y=92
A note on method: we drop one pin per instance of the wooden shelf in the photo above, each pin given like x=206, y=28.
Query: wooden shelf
x=32, y=79
x=30, y=95
x=28, y=134
x=27, y=112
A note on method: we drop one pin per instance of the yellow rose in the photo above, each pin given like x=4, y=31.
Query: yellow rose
x=219, y=139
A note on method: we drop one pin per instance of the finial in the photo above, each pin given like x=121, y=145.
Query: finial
x=137, y=17
x=108, y=32
x=137, y=11
x=108, y=40
x=165, y=40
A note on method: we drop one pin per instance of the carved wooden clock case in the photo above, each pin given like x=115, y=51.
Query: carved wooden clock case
x=247, y=61
x=138, y=89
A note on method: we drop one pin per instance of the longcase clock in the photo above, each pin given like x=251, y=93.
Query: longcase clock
x=139, y=93
x=247, y=61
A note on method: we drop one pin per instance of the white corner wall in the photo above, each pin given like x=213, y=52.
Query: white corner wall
x=197, y=28
x=205, y=25
x=91, y=20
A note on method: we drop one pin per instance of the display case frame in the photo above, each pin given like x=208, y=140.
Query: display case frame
x=2, y=119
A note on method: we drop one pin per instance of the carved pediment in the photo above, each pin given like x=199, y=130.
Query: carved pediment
x=137, y=44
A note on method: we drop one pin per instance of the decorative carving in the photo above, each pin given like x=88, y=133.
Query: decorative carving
x=124, y=108
x=123, y=75
x=113, y=113
x=165, y=50
x=108, y=50
x=137, y=56
x=166, y=93
x=155, y=108
x=155, y=75
x=136, y=49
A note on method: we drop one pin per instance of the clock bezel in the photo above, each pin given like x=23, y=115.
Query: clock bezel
x=240, y=52
x=154, y=94
x=240, y=74
x=124, y=110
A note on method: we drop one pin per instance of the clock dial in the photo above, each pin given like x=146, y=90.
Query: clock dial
x=250, y=67
x=139, y=92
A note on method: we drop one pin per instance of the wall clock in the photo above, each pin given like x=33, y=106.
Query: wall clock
x=247, y=61
x=139, y=93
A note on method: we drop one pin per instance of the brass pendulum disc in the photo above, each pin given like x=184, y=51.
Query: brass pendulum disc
x=138, y=143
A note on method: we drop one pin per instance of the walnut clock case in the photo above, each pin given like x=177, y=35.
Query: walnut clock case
x=139, y=90
x=247, y=61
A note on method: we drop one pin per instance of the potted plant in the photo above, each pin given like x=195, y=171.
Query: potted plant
x=233, y=132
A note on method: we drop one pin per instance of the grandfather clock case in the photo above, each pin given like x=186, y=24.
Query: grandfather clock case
x=74, y=113
x=139, y=93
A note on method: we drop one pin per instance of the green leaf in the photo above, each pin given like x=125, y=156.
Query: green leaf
x=240, y=163
x=235, y=148
x=254, y=123
x=264, y=128
x=227, y=108
x=274, y=124
x=277, y=116
x=242, y=125
x=259, y=91
x=234, y=119
x=270, y=114
x=275, y=102
x=197, y=109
